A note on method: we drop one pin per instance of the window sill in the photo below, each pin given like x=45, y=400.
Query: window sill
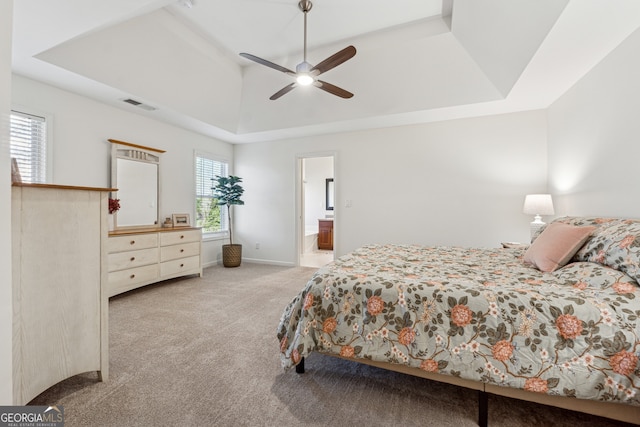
x=210, y=237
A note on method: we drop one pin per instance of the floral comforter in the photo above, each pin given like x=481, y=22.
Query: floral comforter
x=478, y=314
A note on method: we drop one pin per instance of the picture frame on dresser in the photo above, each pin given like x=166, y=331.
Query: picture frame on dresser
x=181, y=220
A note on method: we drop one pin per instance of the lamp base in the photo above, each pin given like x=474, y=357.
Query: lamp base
x=535, y=226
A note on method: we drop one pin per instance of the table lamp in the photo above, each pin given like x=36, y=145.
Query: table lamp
x=538, y=205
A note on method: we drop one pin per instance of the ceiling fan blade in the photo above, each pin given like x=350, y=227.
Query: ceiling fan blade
x=335, y=60
x=267, y=63
x=334, y=90
x=288, y=88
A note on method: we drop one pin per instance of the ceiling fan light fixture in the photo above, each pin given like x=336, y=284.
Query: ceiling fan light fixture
x=304, y=79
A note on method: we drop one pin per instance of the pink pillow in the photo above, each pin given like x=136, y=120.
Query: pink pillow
x=556, y=245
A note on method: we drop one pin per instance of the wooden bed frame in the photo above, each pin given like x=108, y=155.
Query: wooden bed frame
x=615, y=411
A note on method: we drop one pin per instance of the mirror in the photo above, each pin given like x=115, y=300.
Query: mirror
x=135, y=172
x=329, y=194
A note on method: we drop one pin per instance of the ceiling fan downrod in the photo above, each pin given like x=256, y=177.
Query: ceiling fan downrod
x=305, y=6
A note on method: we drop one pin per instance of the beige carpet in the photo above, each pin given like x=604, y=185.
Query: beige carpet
x=203, y=352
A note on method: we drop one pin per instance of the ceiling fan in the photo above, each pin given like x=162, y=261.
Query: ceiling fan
x=306, y=74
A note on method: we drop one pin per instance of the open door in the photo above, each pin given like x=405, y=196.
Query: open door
x=316, y=230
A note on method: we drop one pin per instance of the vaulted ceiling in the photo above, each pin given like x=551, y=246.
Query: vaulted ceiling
x=417, y=60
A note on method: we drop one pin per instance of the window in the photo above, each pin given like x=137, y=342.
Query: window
x=209, y=216
x=28, y=141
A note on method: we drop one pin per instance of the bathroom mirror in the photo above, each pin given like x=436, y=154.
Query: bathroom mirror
x=135, y=172
x=328, y=192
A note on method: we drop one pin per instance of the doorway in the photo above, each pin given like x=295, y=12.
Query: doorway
x=316, y=230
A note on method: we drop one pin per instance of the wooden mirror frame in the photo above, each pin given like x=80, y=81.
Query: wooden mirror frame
x=138, y=153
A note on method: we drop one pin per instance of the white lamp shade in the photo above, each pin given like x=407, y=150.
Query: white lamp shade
x=538, y=204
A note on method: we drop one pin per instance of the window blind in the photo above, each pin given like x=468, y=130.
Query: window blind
x=28, y=138
x=209, y=216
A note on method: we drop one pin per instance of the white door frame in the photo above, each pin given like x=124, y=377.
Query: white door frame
x=299, y=197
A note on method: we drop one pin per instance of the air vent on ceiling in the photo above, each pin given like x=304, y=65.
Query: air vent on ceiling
x=139, y=104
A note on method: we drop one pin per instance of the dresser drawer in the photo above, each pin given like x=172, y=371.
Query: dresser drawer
x=130, y=259
x=177, y=266
x=185, y=250
x=127, y=279
x=175, y=237
x=132, y=242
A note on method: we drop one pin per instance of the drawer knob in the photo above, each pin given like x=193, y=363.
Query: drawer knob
x=181, y=250
x=133, y=258
x=133, y=242
x=182, y=236
x=181, y=265
x=132, y=276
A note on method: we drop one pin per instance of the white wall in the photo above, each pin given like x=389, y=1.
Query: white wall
x=459, y=182
x=6, y=311
x=81, y=128
x=594, y=139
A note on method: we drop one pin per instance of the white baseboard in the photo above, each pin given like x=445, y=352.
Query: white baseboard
x=209, y=264
x=269, y=262
x=253, y=261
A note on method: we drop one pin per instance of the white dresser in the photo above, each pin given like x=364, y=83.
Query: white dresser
x=144, y=256
x=60, y=309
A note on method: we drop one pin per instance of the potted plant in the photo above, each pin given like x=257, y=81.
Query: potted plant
x=227, y=192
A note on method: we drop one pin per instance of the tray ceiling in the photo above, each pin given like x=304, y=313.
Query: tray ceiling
x=417, y=60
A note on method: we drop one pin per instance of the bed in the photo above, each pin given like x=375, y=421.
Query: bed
x=555, y=323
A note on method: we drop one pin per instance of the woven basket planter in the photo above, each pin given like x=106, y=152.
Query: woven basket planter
x=231, y=255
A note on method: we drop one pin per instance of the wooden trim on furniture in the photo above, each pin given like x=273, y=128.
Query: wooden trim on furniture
x=61, y=187
x=144, y=230
x=129, y=144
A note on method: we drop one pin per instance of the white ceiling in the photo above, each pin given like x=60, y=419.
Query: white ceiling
x=275, y=28
x=417, y=60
